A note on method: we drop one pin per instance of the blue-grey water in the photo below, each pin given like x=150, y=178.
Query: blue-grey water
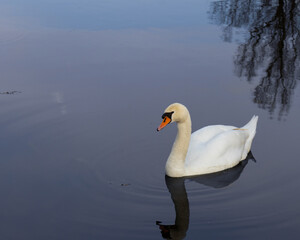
x=83, y=87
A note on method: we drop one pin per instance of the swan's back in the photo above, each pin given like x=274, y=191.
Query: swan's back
x=218, y=147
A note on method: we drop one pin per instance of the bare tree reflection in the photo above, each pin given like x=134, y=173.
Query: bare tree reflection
x=271, y=48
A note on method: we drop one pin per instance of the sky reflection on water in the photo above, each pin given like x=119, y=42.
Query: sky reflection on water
x=108, y=14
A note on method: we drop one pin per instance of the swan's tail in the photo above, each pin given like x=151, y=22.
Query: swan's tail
x=251, y=127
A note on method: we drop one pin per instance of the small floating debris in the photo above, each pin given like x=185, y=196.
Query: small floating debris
x=10, y=92
x=125, y=184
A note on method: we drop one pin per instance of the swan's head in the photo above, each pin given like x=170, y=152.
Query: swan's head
x=175, y=112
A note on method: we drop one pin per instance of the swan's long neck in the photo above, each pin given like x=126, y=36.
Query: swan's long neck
x=175, y=162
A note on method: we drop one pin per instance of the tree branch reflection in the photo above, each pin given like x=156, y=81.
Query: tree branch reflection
x=271, y=47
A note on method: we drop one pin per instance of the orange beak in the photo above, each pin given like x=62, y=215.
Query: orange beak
x=164, y=123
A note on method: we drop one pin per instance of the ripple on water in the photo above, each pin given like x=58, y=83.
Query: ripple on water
x=11, y=35
x=129, y=170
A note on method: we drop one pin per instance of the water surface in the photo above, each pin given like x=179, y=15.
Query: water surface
x=80, y=155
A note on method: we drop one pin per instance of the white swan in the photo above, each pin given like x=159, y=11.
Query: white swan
x=210, y=149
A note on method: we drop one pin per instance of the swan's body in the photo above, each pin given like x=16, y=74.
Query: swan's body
x=209, y=149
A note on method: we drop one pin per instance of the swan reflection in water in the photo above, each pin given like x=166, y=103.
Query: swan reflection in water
x=176, y=187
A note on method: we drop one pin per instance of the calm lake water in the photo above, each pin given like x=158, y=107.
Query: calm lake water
x=83, y=87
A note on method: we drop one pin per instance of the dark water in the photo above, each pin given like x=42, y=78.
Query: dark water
x=83, y=86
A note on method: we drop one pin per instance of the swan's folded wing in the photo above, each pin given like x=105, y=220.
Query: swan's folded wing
x=222, y=151
x=205, y=134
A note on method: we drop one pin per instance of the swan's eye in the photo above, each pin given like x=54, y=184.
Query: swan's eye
x=167, y=114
